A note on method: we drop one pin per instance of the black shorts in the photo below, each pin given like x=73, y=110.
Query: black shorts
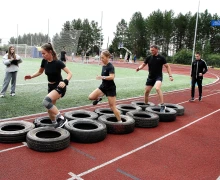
x=63, y=60
x=109, y=91
x=54, y=86
x=151, y=82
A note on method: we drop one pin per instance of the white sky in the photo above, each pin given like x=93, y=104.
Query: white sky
x=32, y=16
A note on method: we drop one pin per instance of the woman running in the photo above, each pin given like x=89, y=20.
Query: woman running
x=56, y=85
x=107, y=87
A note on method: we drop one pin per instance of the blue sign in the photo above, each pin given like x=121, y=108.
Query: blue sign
x=215, y=23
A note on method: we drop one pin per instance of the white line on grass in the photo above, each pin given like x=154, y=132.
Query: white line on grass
x=104, y=104
x=145, y=145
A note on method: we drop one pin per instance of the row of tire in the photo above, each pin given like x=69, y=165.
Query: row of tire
x=86, y=126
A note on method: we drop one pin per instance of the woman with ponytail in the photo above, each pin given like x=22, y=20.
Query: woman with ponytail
x=56, y=85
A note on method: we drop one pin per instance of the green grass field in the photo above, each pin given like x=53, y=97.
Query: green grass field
x=30, y=93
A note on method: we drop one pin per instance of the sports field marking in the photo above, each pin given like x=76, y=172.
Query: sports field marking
x=145, y=145
x=218, y=178
x=127, y=174
x=74, y=177
x=9, y=149
x=104, y=103
x=83, y=153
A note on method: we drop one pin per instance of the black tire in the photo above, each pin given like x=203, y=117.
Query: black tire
x=43, y=122
x=178, y=108
x=14, y=131
x=124, y=108
x=113, y=127
x=142, y=104
x=168, y=116
x=86, y=130
x=144, y=119
x=104, y=111
x=48, y=139
x=80, y=114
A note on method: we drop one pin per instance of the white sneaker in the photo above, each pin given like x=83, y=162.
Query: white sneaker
x=1, y=96
x=12, y=94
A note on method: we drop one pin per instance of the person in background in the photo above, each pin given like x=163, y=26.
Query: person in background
x=63, y=56
x=11, y=61
x=198, y=69
x=135, y=58
x=56, y=85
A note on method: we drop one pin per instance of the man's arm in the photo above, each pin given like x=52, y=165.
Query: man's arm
x=169, y=71
x=141, y=67
x=205, y=69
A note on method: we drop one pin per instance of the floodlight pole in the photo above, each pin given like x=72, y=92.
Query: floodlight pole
x=194, y=44
x=17, y=40
x=48, y=31
x=100, y=39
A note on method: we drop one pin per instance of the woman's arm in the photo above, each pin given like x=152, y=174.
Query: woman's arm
x=65, y=82
x=108, y=78
x=38, y=73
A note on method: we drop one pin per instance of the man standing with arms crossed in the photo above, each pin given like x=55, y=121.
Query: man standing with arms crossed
x=155, y=66
x=198, y=68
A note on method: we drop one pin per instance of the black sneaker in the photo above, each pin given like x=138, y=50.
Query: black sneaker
x=191, y=100
x=60, y=122
x=97, y=101
x=200, y=98
x=162, y=108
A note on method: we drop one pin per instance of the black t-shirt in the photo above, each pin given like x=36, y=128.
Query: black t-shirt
x=155, y=65
x=53, y=70
x=62, y=55
x=106, y=71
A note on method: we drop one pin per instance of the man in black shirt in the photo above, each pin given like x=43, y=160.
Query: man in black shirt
x=198, y=68
x=63, y=56
x=155, y=65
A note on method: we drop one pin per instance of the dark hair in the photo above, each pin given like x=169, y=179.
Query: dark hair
x=198, y=53
x=154, y=46
x=106, y=53
x=48, y=47
x=11, y=54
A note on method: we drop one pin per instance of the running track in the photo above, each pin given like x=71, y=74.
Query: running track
x=188, y=148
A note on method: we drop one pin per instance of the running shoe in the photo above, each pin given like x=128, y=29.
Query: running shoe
x=97, y=101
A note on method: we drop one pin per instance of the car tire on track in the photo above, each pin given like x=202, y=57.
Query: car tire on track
x=114, y=127
x=43, y=122
x=48, y=139
x=142, y=104
x=144, y=119
x=178, y=108
x=104, y=111
x=124, y=108
x=168, y=116
x=80, y=114
x=14, y=131
x=86, y=130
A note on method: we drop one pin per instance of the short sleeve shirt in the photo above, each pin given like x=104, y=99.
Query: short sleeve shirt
x=106, y=71
x=53, y=69
x=155, y=65
x=62, y=55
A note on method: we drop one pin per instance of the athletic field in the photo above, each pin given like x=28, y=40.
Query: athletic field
x=30, y=93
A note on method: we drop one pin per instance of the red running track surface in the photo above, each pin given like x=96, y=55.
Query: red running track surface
x=187, y=148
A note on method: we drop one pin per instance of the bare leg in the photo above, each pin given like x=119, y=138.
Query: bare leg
x=146, y=93
x=112, y=105
x=96, y=94
x=159, y=91
x=53, y=112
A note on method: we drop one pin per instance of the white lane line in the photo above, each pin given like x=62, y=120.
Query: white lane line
x=127, y=174
x=218, y=178
x=145, y=145
x=9, y=149
x=74, y=177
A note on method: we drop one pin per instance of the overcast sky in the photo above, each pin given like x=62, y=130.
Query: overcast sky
x=32, y=16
